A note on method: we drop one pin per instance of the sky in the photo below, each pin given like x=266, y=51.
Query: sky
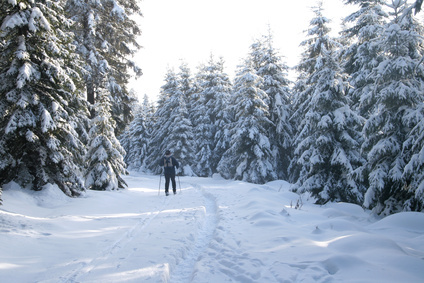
x=191, y=30
x=213, y=230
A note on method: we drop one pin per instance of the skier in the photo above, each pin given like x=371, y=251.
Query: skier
x=169, y=163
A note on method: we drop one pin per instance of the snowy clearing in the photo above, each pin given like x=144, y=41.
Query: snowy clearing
x=212, y=231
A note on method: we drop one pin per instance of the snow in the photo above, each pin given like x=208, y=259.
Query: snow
x=213, y=230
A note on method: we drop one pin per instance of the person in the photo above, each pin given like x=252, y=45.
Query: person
x=169, y=163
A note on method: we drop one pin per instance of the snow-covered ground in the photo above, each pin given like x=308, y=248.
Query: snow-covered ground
x=213, y=230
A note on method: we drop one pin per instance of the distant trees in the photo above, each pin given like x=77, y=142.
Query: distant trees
x=135, y=140
x=348, y=129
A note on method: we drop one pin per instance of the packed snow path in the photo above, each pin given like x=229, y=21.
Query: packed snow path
x=213, y=230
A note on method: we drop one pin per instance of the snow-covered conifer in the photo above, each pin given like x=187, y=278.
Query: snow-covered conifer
x=326, y=147
x=302, y=90
x=398, y=93
x=249, y=157
x=211, y=116
x=106, y=34
x=365, y=52
x=276, y=85
x=162, y=122
x=135, y=139
x=181, y=138
x=414, y=169
x=40, y=98
x=186, y=85
x=104, y=158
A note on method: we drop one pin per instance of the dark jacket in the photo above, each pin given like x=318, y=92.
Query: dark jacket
x=174, y=162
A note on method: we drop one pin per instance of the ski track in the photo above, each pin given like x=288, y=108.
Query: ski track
x=84, y=267
x=185, y=269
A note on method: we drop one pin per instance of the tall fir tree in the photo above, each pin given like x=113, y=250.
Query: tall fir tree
x=162, y=122
x=186, y=85
x=326, y=148
x=276, y=85
x=302, y=89
x=135, y=139
x=249, y=157
x=181, y=138
x=211, y=115
x=183, y=132
x=41, y=103
x=365, y=53
x=106, y=34
x=398, y=93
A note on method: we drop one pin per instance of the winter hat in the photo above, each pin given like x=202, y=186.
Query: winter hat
x=168, y=152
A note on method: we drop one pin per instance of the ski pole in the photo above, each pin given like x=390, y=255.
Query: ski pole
x=160, y=179
x=179, y=182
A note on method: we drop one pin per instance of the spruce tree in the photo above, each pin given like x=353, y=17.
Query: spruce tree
x=181, y=138
x=364, y=54
x=302, y=90
x=186, y=85
x=106, y=35
x=398, y=93
x=276, y=85
x=326, y=147
x=135, y=139
x=210, y=116
x=183, y=133
x=41, y=103
x=162, y=122
x=249, y=157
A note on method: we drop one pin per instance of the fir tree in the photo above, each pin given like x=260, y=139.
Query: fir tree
x=210, y=116
x=106, y=34
x=249, y=157
x=398, y=93
x=41, y=103
x=162, y=122
x=186, y=85
x=326, y=149
x=105, y=154
x=302, y=91
x=364, y=54
x=181, y=138
x=183, y=133
x=135, y=140
x=276, y=85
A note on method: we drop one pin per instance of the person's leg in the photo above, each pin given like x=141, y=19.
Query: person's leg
x=167, y=178
x=174, y=184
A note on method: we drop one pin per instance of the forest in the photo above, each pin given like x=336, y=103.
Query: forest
x=349, y=128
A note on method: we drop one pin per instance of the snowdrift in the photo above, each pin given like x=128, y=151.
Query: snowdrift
x=213, y=230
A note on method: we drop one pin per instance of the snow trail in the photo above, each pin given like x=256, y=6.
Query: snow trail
x=84, y=268
x=185, y=270
x=216, y=231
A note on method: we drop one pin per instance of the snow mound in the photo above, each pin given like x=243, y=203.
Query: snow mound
x=213, y=230
x=410, y=221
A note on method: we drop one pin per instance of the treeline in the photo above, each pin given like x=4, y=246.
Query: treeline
x=349, y=128
x=64, y=67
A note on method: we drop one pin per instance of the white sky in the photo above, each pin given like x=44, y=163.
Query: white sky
x=191, y=30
